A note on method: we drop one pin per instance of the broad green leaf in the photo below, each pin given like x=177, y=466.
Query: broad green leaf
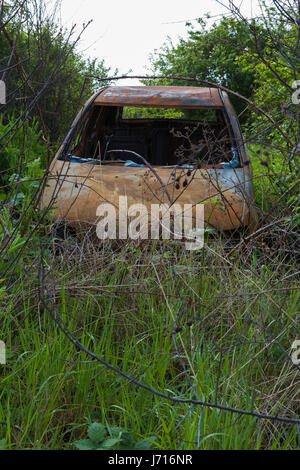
x=85, y=444
x=109, y=443
x=96, y=432
x=115, y=431
x=127, y=439
x=144, y=444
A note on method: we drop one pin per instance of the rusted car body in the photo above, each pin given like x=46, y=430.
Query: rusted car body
x=196, y=155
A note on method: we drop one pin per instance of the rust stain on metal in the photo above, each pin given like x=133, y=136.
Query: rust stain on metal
x=160, y=96
x=83, y=191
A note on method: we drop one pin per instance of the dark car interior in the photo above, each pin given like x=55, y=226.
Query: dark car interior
x=106, y=137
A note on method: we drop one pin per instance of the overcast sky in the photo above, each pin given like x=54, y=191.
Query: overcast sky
x=124, y=33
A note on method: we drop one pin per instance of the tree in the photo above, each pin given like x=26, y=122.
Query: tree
x=32, y=45
x=210, y=54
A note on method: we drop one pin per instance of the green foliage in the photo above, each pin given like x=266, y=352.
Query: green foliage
x=115, y=438
x=24, y=151
x=56, y=69
x=46, y=386
x=169, y=113
x=150, y=113
x=21, y=172
x=122, y=303
x=273, y=76
x=272, y=176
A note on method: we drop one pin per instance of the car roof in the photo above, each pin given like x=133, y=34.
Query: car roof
x=160, y=97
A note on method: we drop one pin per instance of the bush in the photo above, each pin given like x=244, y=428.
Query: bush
x=115, y=438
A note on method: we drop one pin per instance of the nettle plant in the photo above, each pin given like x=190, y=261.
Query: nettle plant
x=112, y=438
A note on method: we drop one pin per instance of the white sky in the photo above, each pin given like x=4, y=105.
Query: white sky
x=125, y=32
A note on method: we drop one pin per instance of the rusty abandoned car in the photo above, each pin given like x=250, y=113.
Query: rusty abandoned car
x=154, y=144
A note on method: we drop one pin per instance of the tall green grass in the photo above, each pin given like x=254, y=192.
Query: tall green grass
x=121, y=304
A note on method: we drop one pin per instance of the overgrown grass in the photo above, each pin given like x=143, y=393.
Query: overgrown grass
x=122, y=303
x=192, y=325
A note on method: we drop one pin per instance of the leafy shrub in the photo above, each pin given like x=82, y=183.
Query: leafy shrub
x=23, y=153
x=116, y=438
x=272, y=175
